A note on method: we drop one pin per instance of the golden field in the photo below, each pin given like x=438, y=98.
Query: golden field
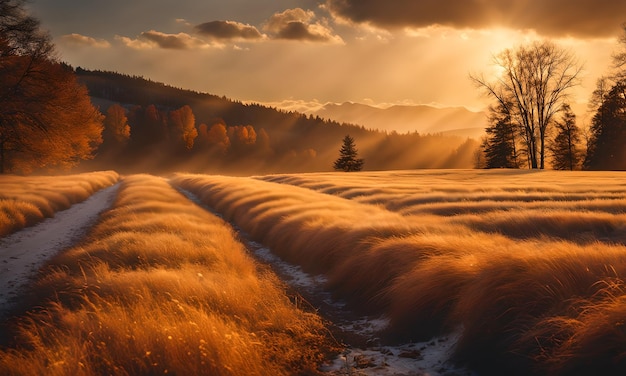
x=528, y=266
x=25, y=201
x=160, y=286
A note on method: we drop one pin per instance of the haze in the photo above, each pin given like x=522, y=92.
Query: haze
x=302, y=54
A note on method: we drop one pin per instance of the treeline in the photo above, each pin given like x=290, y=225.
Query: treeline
x=606, y=145
x=532, y=124
x=155, y=127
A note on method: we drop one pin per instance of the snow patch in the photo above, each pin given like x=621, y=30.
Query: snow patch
x=429, y=358
x=24, y=252
x=420, y=358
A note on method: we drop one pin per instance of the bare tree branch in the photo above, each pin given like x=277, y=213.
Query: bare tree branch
x=536, y=79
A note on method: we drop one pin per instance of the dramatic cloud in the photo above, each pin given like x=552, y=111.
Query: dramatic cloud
x=156, y=39
x=82, y=40
x=578, y=18
x=298, y=24
x=228, y=30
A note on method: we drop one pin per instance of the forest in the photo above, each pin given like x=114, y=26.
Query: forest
x=143, y=127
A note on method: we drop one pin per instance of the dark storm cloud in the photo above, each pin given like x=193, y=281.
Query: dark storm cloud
x=580, y=18
x=228, y=30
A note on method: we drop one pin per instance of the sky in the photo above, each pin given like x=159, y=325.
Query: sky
x=301, y=54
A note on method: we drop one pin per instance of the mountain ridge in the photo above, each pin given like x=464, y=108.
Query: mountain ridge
x=422, y=118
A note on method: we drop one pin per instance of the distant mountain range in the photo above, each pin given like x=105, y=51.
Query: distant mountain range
x=457, y=121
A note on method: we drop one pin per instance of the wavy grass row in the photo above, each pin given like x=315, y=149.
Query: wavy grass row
x=160, y=286
x=25, y=201
x=571, y=205
x=532, y=303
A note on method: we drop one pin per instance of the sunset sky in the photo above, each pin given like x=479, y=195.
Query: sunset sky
x=303, y=53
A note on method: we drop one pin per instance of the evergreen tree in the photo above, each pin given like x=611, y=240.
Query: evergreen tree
x=499, y=145
x=348, y=160
x=566, y=154
x=607, y=145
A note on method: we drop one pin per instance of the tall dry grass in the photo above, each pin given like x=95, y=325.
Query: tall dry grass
x=25, y=201
x=323, y=234
x=527, y=287
x=521, y=204
x=161, y=286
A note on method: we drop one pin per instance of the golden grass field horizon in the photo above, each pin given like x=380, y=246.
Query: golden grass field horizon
x=528, y=265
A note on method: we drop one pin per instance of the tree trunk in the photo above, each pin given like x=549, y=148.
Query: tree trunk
x=542, y=152
x=533, y=154
x=570, y=151
x=513, y=142
x=1, y=157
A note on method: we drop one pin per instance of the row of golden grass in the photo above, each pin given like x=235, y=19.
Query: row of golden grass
x=537, y=303
x=25, y=201
x=576, y=206
x=161, y=286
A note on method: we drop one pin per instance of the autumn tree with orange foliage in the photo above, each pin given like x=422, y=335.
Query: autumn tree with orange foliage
x=116, y=128
x=217, y=136
x=183, y=126
x=46, y=117
x=115, y=135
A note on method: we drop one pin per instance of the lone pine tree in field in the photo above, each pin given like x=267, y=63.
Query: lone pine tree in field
x=348, y=160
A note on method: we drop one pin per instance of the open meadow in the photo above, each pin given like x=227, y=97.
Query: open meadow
x=25, y=201
x=529, y=266
x=160, y=286
x=524, y=269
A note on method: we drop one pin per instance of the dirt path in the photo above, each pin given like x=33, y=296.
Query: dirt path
x=24, y=252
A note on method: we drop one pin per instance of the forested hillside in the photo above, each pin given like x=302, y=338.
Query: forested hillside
x=221, y=135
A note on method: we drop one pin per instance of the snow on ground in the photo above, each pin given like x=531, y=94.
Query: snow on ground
x=420, y=358
x=24, y=252
x=411, y=359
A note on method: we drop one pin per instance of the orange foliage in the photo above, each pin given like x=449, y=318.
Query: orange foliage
x=218, y=136
x=56, y=126
x=184, y=125
x=242, y=134
x=116, y=128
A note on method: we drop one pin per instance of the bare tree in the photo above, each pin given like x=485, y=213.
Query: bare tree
x=619, y=59
x=533, y=87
